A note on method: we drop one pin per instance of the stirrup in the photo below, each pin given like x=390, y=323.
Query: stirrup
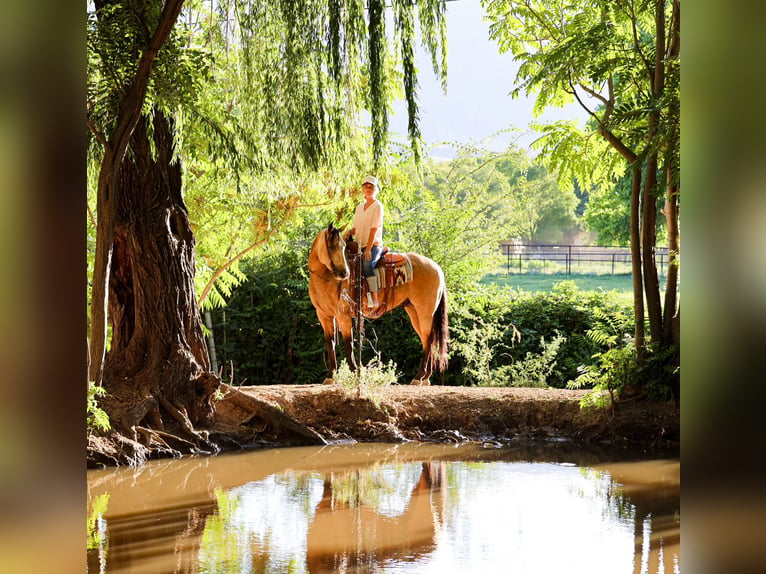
x=370, y=303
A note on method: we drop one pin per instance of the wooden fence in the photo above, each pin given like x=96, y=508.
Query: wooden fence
x=566, y=258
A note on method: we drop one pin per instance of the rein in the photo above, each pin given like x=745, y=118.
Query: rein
x=333, y=280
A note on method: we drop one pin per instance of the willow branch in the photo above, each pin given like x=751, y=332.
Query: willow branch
x=220, y=271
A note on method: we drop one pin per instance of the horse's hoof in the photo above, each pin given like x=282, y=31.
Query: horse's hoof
x=421, y=382
x=328, y=381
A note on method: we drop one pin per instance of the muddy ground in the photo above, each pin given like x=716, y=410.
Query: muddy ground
x=472, y=413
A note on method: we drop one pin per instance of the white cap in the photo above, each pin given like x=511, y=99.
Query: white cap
x=371, y=179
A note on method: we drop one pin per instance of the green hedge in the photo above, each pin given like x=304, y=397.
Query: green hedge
x=270, y=334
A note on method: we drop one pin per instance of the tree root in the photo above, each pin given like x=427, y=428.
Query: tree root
x=237, y=409
x=240, y=419
x=198, y=438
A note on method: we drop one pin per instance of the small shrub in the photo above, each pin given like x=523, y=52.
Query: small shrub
x=535, y=369
x=478, y=344
x=96, y=419
x=368, y=381
x=614, y=370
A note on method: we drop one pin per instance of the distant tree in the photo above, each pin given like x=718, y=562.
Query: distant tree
x=543, y=211
x=456, y=213
x=608, y=213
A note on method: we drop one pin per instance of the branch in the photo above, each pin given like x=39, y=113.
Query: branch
x=592, y=93
x=636, y=43
x=99, y=136
x=218, y=272
x=617, y=144
x=582, y=104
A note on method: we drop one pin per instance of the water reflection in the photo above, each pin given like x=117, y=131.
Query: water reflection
x=384, y=508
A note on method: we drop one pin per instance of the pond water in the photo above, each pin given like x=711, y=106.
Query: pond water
x=414, y=508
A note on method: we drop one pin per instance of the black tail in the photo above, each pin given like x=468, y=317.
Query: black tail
x=439, y=338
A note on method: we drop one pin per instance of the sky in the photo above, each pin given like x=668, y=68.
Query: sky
x=478, y=104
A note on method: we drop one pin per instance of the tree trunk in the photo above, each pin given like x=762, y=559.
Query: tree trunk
x=128, y=114
x=649, y=208
x=671, y=315
x=674, y=245
x=648, y=246
x=635, y=254
x=157, y=370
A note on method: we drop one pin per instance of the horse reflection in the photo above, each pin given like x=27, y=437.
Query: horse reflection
x=351, y=536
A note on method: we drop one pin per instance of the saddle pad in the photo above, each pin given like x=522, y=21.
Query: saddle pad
x=394, y=269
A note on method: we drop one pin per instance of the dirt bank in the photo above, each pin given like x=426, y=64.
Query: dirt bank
x=284, y=415
x=472, y=413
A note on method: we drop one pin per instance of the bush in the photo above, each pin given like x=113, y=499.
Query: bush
x=270, y=334
x=512, y=327
x=369, y=381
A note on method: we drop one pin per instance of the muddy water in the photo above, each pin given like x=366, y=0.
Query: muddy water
x=414, y=508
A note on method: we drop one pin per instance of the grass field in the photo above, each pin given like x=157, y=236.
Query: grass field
x=545, y=281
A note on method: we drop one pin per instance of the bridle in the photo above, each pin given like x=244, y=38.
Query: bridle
x=332, y=279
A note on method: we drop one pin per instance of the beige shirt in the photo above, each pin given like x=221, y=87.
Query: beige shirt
x=366, y=219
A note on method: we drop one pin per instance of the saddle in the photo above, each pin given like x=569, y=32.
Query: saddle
x=392, y=269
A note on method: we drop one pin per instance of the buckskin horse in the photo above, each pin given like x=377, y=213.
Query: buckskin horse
x=424, y=298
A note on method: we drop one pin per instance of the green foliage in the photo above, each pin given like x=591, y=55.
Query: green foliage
x=96, y=418
x=463, y=208
x=97, y=538
x=535, y=370
x=517, y=324
x=479, y=343
x=608, y=213
x=616, y=371
x=369, y=381
x=269, y=332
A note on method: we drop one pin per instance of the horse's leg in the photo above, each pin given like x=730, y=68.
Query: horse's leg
x=424, y=331
x=347, y=332
x=328, y=326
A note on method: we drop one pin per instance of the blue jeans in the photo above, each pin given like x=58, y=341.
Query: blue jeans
x=368, y=267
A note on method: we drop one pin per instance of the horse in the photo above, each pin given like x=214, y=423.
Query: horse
x=424, y=298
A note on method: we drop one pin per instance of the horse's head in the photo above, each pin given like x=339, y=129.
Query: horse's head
x=336, y=253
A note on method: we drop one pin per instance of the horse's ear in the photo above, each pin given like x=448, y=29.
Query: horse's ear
x=342, y=229
x=330, y=227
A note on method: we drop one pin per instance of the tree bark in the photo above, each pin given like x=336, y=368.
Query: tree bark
x=157, y=370
x=635, y=254
x=671, y=314
x=649, y=207
x=648, y=247
x=114, y=154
